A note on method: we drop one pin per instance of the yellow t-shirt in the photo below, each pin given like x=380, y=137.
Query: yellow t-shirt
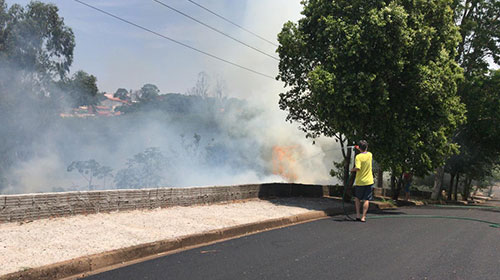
x=364, y=175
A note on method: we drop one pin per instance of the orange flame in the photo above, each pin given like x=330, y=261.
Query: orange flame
x=284, y=162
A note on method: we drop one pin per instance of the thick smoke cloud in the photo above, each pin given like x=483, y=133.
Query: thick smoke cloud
x=209, y=144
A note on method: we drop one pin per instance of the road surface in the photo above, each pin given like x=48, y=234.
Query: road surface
x=332, y=248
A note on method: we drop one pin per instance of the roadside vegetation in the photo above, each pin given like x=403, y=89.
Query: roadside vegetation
x=416, y=79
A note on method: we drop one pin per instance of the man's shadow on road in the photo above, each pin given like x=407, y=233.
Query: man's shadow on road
x=352, y=215
x=395, y=212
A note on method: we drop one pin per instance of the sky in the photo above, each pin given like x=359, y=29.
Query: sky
x=121, y=55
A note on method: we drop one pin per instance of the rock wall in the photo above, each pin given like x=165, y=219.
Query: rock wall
x=26, y=207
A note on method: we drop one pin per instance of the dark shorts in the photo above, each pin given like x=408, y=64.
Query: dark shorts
x=407, y=187
x=364, y=192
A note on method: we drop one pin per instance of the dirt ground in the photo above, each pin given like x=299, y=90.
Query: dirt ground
x=48, y=241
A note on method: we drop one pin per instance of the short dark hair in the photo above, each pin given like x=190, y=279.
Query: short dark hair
x=363, y=145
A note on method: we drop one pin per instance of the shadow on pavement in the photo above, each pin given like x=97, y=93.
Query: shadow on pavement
x=310, y=203
x=483, y=208
x=343, y=218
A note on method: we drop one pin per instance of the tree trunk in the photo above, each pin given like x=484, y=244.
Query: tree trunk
x=90, y=183
x=438, y=181
x=395, y=186
x=466, y=192
x=455, y=189
x=347, y=163
x=352, y=178
x=399, y=181
x=450, y=187
x=348, y=176
x=380, y=179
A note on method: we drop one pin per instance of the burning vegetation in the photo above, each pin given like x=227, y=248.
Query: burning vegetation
x=284, y=159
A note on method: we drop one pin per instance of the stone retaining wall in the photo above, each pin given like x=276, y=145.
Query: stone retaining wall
x=26, y=207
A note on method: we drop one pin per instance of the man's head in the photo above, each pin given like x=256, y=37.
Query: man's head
x=362, y=145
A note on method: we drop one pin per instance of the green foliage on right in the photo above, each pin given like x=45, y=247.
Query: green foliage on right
x=479, y=138
x=479, y=24
x=378, y=70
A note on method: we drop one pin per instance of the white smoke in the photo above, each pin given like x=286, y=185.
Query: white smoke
x=245, y=139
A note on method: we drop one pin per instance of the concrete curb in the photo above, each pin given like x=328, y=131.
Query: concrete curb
x=87, y=264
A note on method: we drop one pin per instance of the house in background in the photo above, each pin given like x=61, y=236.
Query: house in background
x=107, y=108
x=113, y=102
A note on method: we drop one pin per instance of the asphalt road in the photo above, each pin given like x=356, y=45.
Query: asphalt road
x=332, y=248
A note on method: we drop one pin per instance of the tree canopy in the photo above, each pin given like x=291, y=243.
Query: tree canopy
x=148, y=92
x=378, y=70
x=480, y=31
x=479, y=137
x=82, y=89
x=143, y=170
x=479, y=24
x=90, y=169
x=122, y=94
x=34, y=38
x=36, y=49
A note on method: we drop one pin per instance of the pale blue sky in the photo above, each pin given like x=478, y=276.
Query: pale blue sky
x=120, y=55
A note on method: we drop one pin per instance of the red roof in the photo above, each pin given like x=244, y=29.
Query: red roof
x=109, y=96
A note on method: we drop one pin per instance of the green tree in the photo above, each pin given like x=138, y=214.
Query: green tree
x=479, y=24
x=36, y=49
x=122, y=94
x=383, y=71
x=82, y=88
x=35, y=40
x=91, y=169
x=479, y=137
x=143, y=170
x=148, y=92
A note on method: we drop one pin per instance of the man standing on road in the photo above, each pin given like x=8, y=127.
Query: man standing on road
x=363, y=184
x=407, y=177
